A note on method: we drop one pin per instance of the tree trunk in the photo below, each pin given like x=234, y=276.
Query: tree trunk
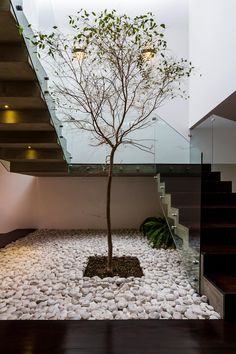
x=108, y=213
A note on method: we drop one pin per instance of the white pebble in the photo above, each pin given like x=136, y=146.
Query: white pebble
x=42, y=278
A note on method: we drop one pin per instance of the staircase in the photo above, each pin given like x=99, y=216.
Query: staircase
x=218, y=243
x=218, y=230
x=28, y=139
x=183, y=184
x=180, y=188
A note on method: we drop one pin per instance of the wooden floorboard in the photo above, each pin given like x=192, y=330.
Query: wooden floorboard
x=118, y=337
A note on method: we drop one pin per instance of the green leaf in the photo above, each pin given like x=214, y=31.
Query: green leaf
x=157, y=232
x=20, y=29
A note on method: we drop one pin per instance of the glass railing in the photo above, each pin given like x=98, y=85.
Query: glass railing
x=161, y=142
x=163, y=145
x=21, y=20
x=217, y=138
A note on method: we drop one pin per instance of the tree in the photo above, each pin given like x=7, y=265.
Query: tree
x=109, y=68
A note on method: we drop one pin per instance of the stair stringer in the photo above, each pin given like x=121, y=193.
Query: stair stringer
x=172, y=213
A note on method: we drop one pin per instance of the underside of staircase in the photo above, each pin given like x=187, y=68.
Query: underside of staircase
x=28, y=140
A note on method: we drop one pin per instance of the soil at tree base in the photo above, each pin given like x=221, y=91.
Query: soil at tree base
x=123, y=267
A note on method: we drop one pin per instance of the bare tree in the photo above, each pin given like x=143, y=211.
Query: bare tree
x=110, y=68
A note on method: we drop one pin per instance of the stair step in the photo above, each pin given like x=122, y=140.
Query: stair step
x=219, y=207
x=208, y=176
x=223, y=213
x=19, y=89
x=189, y=213
x=13, y=52
x=185, y=198
x=220, y=262
x=219, y=225
x=15, y=71
x=26, y=137
x=206, y=167
x=219, y=198
x=224, y=281
x=218, y=233
x=8, y=29
x=23, y=102
x=216, y=186
x=41, y=167
x=14, y=63
x=21, y=95
x=33, y=155
x=219, y=249
x=193, y=226
x=25, y=120
x=186, y=184
x=4, y=5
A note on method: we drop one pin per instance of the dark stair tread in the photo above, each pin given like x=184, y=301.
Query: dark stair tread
x=220, y=225
x=209, y=192
x=191, y=225
x=219, y=249
x=224, y=281
x=216, y=186
x=192, y=206
x=221, y=206
x=206, y=168
x=215, y=182
x=207, y=175
x=205, y=193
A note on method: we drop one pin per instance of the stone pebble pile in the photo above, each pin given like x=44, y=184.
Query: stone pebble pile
x=41, y=277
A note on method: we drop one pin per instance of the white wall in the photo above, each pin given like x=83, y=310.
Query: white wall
x=212, y=49
x=79, y=202
x=228, y=173
x=17, y=201
x=74, y=202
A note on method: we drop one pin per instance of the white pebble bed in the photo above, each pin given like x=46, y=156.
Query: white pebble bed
x=41, y=277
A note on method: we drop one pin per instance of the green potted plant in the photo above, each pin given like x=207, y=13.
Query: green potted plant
x=157, y=232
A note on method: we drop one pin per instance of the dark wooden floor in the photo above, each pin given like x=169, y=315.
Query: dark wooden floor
x=118, y=337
